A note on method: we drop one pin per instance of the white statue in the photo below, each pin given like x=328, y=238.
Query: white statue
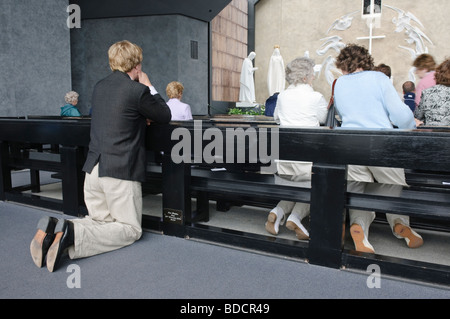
x=403, y=17
x=412, y=74
x=343, y=23
x=415, y=35
x=247, y=88
x=412, y=52
x=329, y=67
x=333, y=42
x=276, y=79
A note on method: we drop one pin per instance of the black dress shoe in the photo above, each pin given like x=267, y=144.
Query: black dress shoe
x=64, y=237
x=42, y=239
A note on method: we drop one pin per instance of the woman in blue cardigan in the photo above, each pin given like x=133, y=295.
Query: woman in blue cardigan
x=367, y=99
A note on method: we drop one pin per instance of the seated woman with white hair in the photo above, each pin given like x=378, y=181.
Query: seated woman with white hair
x=299, y=105
x=70, y=109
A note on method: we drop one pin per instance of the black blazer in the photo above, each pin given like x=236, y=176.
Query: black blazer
x=120, y=107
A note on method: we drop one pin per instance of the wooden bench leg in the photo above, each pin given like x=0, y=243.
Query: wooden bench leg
x=223, y=205
x=72, y=179
x=5, y=171
x=35, y=180
x=328, y=189
x=202, y=213
x=176, y=196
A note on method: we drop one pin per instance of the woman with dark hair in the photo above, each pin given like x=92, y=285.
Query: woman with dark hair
x=434, y=108
x=367, y=99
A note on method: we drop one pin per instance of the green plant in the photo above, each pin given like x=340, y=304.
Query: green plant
x=254, y=111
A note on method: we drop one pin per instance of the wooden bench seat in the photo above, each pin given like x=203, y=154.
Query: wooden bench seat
x=261, y=190
x=428, y=178
x=412, y=201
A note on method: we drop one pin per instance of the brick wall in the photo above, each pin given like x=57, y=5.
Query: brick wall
x=229, y=49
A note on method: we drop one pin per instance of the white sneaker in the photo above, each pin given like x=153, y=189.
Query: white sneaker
x=360, y=240
x=275, y=218
x=413, y=239
x=293, y=223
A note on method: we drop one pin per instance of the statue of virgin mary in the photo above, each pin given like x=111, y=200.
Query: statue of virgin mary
x=276, y=74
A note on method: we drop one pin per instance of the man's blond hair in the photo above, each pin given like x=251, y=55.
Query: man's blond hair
x=124, y=56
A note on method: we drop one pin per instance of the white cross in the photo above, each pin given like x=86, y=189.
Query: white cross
x=371, y=17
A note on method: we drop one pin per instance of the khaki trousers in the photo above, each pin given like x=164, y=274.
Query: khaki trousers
x=296, y=174
x=115, y=215
x=385, y=175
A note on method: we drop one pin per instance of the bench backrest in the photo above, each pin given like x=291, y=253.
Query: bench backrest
x=411, y=149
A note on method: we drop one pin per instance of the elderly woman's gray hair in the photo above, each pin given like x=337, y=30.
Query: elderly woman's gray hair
x=71, y=97
x=300, y=70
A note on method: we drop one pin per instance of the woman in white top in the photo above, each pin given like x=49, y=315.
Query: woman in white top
x=299, y=105
x=180, y=111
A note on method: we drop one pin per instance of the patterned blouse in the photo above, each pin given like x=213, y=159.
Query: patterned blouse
x=434, y=107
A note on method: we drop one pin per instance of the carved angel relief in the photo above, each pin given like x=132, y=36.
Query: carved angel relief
x=404, y=22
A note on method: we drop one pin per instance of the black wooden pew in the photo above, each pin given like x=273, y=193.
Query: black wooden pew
x=21, y=147
x=330, y=151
